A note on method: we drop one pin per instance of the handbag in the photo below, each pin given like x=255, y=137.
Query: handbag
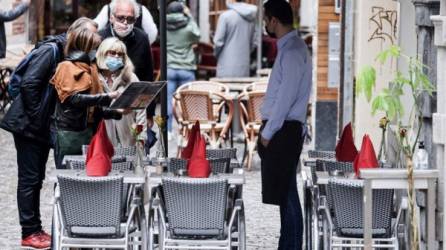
x=70, y=142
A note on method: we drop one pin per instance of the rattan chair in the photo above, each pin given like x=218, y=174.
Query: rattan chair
x=203, y=106
x=89, y=214
x=345, y=218
x=191, y=215
x=251, y=120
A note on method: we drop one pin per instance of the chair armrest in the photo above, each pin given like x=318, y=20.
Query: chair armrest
x=238, y=210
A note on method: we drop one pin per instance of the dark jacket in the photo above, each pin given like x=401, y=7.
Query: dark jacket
x=73, y=113
x=7, y=16
x=30, y=113
x=139, y=51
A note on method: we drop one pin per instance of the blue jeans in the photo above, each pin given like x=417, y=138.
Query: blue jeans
x=176, y=78
x=291, y=228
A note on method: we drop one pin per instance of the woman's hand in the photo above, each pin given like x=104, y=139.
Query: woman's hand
x=124, y=111
x=114, y=94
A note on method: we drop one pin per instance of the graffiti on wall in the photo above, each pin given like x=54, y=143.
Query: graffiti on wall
x=383, y=25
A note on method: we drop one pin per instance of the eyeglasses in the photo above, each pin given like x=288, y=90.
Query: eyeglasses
x=115, y=53
x=127, y=19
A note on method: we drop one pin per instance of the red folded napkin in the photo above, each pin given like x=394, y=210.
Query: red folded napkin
x=187, y=151
x=346, y=149
x=198, y=166
x=366, y=157
x=100, y=152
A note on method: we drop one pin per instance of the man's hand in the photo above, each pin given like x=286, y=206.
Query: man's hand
x=149, y=122
x=264, y=141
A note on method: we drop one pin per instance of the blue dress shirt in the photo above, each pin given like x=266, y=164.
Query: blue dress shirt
x=289, y=85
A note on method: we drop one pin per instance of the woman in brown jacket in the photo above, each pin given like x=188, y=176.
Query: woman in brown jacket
x=81, y=100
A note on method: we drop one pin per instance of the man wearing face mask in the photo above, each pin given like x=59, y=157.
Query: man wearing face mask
x=122, y=19
x=283, y=113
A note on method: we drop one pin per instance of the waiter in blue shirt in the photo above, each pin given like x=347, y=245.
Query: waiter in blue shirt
x=284, y=112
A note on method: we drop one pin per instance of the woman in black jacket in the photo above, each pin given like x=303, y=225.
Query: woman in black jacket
x=81, y=99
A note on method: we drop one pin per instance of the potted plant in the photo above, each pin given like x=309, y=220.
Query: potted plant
x=388, y=101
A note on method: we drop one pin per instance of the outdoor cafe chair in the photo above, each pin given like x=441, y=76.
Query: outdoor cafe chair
x=231, y=153
x=203, y=106
x=89, y=214
x=118, y=166
x=5, y=99
x=251, y=120
x=218, y=165
x=321, y=154
x=119, y=150
x=192, y=215
x=345, y=217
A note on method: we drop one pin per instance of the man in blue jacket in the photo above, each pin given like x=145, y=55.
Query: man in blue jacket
x=7, y=16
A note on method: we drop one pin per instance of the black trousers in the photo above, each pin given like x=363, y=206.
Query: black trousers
x=31, y=160
x=279, y=162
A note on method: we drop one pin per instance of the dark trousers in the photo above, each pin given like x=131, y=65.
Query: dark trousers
x=31, y=160
x=279, y=162
x=291, y=225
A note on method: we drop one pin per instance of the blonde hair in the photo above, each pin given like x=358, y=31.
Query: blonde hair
x=115, y=44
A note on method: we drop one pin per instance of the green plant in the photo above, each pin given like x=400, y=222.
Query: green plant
x=388, y=100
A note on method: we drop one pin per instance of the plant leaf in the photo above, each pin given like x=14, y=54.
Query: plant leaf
x=365, y=81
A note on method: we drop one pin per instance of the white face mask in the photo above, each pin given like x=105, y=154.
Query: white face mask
x=122, y=30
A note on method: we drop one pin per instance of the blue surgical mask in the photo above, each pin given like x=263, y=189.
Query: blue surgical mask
x=114, y=63
x=92, y=55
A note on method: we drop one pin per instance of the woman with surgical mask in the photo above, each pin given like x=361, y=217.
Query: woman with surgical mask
x=115, y=73
x=81, y=100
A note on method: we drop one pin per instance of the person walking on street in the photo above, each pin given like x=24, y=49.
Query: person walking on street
x=7, y=16
x=144, y=21
x=283, y=113
x=122, y=19
x=28, y=119
x=182, y=34
x=234, y=39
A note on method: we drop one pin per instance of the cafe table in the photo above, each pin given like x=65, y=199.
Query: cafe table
x=379, y=178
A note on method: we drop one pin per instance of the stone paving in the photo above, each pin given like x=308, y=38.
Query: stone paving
x=262, y=220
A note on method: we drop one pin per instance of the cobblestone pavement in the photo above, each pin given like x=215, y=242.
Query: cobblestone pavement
x=262, y=220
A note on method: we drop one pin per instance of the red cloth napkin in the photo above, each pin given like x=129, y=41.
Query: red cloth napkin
x=366, y=157
x=345, y=149
x=187, y=151
x=198, y=166
x=100, y=152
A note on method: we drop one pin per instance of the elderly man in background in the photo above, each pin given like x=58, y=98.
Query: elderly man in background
x=123, y=15
x=7, y=16
x=144, y=21
x=234, y=39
